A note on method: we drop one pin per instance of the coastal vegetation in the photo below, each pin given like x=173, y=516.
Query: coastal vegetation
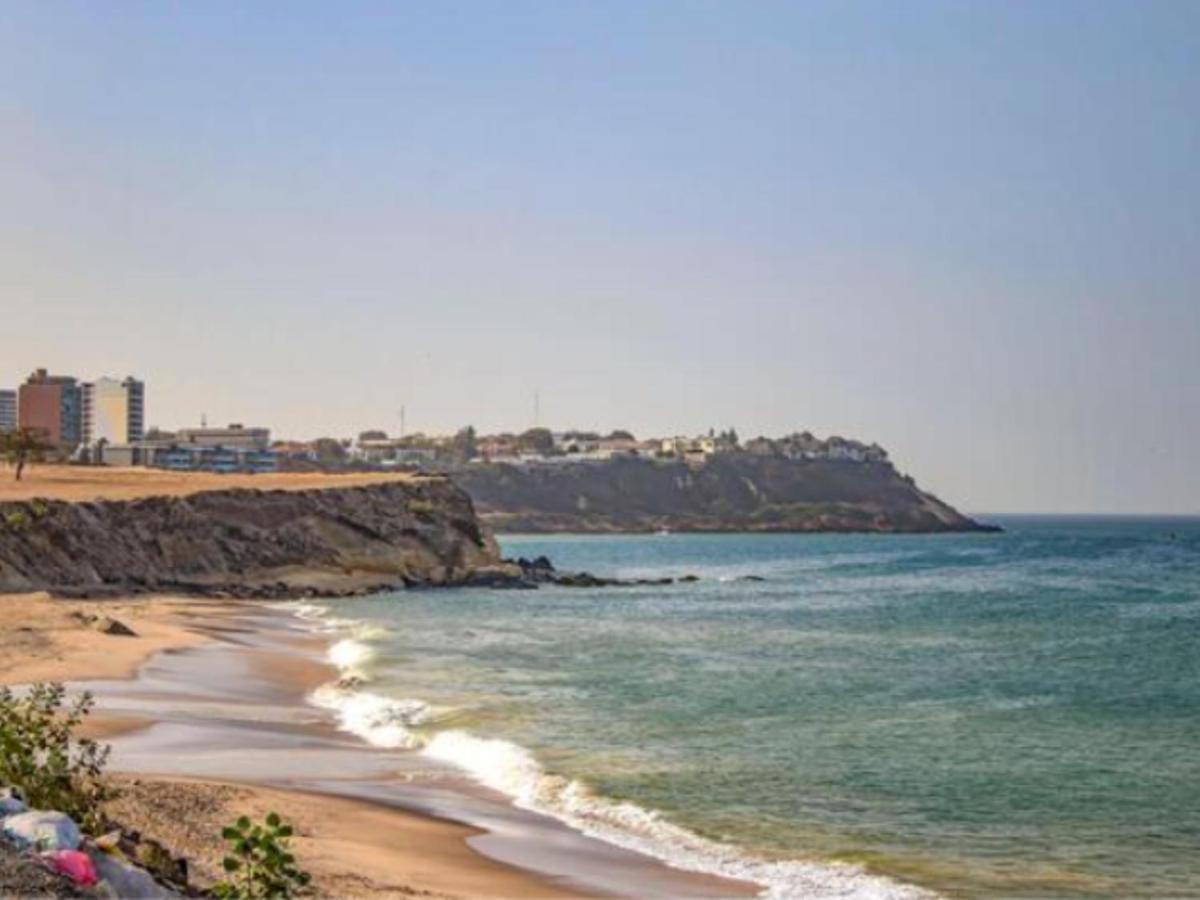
x=260, y=863
x=46, y=766
x=42, y=759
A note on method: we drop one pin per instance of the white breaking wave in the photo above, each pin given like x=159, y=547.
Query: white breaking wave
x=350, y=656
x=513, y=771
x=380, y=721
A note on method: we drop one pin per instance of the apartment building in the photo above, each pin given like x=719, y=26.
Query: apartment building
x=113, y=411
x=52, y=406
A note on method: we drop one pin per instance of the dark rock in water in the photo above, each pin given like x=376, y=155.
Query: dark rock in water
x=579, y=579
x=751, y=578
x=541, y=564
x=688, y=579
x=523, y=574
x=534, y=571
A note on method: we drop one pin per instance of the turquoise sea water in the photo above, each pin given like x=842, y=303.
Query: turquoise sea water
x=990, y=715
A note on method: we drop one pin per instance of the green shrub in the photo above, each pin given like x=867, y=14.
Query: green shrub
x=40, y=757
x=39, y=509
x=420, y=507
x=16, y=519
x=260, y=863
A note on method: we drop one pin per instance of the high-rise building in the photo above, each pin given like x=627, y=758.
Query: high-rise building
x=8, y=410
x=113, y=411
x=51, y=405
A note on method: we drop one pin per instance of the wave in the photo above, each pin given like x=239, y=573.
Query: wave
x=350, y=656
x=514, y=771
x=380, y=721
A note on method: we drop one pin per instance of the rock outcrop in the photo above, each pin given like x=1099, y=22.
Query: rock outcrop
x=729, y=492
x=248, y=543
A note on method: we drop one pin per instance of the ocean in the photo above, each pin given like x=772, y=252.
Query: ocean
x=980, y=715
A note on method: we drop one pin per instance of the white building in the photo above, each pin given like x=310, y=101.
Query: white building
x=113, y=411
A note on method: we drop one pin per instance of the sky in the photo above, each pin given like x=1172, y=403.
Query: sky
x=969, y=231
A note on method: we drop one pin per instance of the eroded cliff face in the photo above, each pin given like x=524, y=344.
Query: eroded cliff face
x=248, y=542
x=731, y=492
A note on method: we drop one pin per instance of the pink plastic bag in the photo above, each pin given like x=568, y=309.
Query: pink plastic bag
x=74, y=865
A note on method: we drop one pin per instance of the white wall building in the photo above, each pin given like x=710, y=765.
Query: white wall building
x=113, y=411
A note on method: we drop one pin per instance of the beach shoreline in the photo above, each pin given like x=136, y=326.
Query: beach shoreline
x=370, y=834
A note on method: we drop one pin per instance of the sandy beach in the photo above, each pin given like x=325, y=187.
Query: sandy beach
x=204, y=707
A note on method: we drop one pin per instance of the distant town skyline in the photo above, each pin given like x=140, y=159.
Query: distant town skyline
x=968, y=232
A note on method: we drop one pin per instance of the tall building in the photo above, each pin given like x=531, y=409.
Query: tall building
x=51, y=405
x=113, y=411
x=8, y=410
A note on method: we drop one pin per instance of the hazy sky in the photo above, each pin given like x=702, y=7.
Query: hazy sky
x=967, y=230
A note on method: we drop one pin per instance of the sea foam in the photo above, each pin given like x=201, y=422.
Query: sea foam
x=380, y=721
x=350, y=656
x=512, y=770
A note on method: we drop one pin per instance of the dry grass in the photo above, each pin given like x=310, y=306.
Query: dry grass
x=82, y=483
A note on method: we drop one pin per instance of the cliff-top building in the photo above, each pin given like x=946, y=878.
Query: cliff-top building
x=51, y=405
x=113, y=411
x=8, y=410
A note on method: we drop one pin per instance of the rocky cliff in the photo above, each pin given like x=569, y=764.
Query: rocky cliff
x=730, y=492
x=248, y=542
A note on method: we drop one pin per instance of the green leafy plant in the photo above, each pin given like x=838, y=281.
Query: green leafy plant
x=16, y=519
x=260, y=863
x=41, y=758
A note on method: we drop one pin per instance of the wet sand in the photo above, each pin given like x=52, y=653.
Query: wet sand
x=216, y=724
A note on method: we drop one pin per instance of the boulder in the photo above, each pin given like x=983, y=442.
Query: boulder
x=109, y=625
